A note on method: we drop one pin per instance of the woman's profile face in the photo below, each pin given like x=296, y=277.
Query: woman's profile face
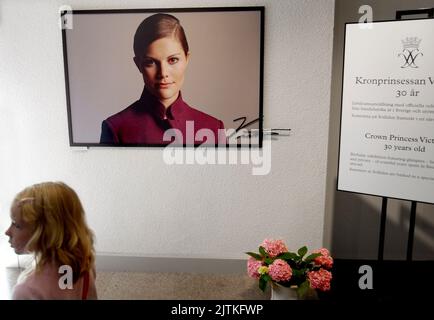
x=163, y=69
x=19, y=232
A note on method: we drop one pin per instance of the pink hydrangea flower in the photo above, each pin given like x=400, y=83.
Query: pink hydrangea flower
x=324, y=259
x=274, y=247
x=320, y=279
x=252, y=267
x=279, y=270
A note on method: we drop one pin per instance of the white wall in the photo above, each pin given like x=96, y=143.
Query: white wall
x=136, y=204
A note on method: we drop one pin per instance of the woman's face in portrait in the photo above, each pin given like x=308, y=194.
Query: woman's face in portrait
x=19, y=232
x=163, y=69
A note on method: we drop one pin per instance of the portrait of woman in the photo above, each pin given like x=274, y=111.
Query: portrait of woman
x=134, y=76
x=161, y=54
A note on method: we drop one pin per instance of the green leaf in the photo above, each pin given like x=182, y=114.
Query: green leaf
x=254, y=255
x=262, y=283
x=302, y=251
x=266, y=277
x=288, y=256
x=312, y=256
x=305, y=292
x=303, y=289
x=268, y=261
x=298, y=273
x=262, y=251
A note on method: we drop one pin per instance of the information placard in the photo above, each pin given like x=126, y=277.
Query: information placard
x=387, y=118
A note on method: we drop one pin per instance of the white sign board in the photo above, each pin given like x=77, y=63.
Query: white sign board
x=387, y=119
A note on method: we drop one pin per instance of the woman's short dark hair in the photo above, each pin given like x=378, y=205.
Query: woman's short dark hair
x=157, y=26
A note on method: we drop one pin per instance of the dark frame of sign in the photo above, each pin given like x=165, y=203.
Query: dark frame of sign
x=224, y=77
x=409, y=53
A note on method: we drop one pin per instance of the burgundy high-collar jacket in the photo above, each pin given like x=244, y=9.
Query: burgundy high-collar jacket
x=145, y=121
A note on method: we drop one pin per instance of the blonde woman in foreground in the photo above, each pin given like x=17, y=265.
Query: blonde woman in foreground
x=48, y=221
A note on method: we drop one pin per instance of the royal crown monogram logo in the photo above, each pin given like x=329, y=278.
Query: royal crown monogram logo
x=410, y=51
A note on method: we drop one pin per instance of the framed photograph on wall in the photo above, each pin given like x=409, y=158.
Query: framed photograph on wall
x=158, y=77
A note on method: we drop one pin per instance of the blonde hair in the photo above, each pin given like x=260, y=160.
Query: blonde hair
x=60, y=232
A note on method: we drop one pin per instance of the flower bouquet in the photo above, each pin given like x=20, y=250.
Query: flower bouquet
x=275, y=264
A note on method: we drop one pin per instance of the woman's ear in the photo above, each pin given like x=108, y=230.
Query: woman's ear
x=138, y=63
x=187, y=57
